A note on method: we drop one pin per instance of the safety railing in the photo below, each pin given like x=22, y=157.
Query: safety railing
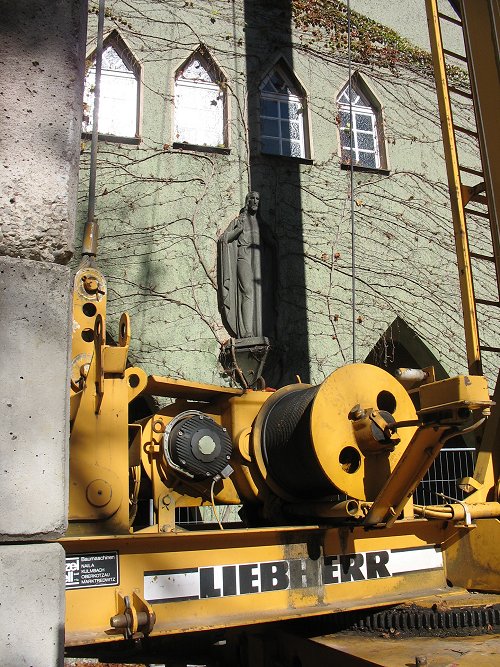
x=197, y=517
x=451, y=465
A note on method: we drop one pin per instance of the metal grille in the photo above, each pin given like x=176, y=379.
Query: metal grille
x=451, y=465
x=198, y=517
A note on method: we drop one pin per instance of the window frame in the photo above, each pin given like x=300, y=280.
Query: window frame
x=365, y=104
x=219, y=82
x=116, y=41
x=285, y=98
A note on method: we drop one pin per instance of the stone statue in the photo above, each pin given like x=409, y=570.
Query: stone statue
x=246, y=256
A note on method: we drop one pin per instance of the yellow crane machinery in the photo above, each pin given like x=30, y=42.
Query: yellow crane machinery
x=474, y=193
x=324, y=476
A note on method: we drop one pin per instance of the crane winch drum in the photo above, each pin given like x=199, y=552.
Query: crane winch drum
x=334, y=439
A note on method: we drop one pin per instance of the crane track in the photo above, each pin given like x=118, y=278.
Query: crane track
x=420, y=621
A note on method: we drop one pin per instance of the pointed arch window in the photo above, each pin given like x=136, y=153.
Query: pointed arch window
x=362, y=142
x=282, y=115
x=119, y=101
x=200, y=102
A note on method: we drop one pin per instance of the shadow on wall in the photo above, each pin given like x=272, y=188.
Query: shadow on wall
x=277, y=178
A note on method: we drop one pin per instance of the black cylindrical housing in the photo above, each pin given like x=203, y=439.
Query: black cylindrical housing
x=287, y=448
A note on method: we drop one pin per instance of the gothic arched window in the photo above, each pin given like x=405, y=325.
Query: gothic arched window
x=361, y=135
x=119, y=102
x=200, y=102
x=282, y=114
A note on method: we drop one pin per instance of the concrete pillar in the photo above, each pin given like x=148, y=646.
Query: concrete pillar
x=42, y=51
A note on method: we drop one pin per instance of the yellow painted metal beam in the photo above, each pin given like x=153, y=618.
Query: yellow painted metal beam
x=481, y=27
x=194, y=391
x=456, y=199
x=207, y=580
x=473, y=561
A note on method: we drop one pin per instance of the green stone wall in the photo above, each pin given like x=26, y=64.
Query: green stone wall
x=161, y=209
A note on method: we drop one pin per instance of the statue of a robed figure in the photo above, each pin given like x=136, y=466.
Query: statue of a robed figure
x=247, y=265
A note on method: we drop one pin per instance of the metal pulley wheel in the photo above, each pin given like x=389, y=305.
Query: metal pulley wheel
x=316, y=442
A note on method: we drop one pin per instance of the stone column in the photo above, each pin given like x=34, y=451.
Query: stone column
x=42, y=53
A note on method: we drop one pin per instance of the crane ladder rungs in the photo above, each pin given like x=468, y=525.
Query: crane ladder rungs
x=486, y=258
x=479, y=213
x=487, y=302
x=474, y=172
x=455, y=55
x=450, y=19
x=464, y=130
x=458, y=91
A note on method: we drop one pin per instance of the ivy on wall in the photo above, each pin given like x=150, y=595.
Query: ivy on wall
x=162, y=208
x=324, y=25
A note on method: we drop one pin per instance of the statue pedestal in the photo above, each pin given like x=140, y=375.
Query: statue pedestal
x=244, y=358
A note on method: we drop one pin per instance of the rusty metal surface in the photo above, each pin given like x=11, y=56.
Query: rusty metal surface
x=394, y=652
x=143, y=555
x=443, y=618
x=283, y=647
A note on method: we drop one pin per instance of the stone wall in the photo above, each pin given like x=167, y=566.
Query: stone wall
x=161, y=208
x=42, y=54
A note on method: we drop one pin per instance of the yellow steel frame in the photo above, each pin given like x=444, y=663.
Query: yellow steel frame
x=456, y=196
x=101, y=389
x=103, y=605
x=88, y=610
x=481, y=18
x=104, y=448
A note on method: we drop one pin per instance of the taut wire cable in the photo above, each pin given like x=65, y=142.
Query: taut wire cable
x=89, y=248
x=351, y=186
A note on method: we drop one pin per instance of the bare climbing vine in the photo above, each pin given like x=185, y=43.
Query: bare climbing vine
x=161, y=208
